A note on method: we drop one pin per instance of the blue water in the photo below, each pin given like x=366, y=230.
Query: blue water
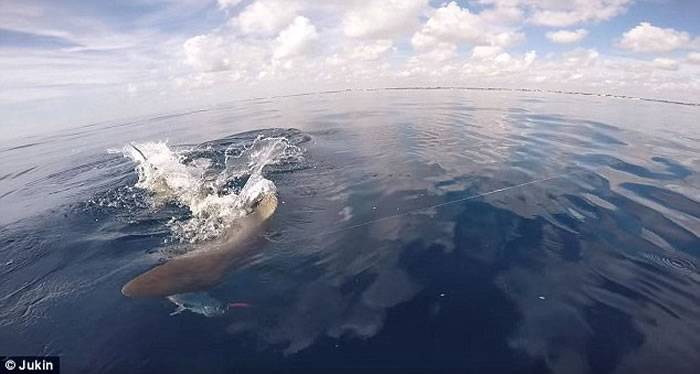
x=501, y=232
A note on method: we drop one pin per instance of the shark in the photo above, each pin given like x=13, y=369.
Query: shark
x=204, y=267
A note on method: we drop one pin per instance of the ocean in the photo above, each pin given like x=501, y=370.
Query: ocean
x=491, y=231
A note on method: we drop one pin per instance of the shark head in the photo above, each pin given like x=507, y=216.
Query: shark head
x=265, y=206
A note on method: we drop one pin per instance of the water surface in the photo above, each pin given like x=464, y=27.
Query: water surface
x=496, y=231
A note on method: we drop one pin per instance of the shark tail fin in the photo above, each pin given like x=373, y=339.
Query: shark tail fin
x=143, y=156
x=178, y=310
x=139, y=151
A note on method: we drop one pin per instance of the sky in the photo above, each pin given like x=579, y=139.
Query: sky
x=73, y=62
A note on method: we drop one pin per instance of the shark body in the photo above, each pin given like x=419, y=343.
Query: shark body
x=204, y=267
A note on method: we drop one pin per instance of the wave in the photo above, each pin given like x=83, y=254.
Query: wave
x=216, y=185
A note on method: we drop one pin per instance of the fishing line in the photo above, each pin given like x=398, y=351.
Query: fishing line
x=405, y=212
x=416, y=210
x=438, y=205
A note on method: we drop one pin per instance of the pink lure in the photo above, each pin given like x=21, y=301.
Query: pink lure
x=238, y=305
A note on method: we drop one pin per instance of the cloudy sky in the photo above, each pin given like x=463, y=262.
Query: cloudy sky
x=71, y=62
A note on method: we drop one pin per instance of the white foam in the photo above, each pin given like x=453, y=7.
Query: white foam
x=163, y=172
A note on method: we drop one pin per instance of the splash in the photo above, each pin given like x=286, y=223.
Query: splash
x=215, y=193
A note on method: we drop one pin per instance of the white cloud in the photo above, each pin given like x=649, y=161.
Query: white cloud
x=284, y=46
x=452, y=24
x=489, y=64
x=383, y=18
x=223, y=4
x=693, y=58
x=564, y=13
x=371, y=51
x=218, y=52
x=486, y=51
x=646, y=37
x=501, y=11
x=296, y=39
x=580, y=58
x=566, y=36
x=266, y=17
x=206, y=53
x=440, y=52
x=665, y=63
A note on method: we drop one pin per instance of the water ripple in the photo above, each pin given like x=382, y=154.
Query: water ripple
x=565, y=228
